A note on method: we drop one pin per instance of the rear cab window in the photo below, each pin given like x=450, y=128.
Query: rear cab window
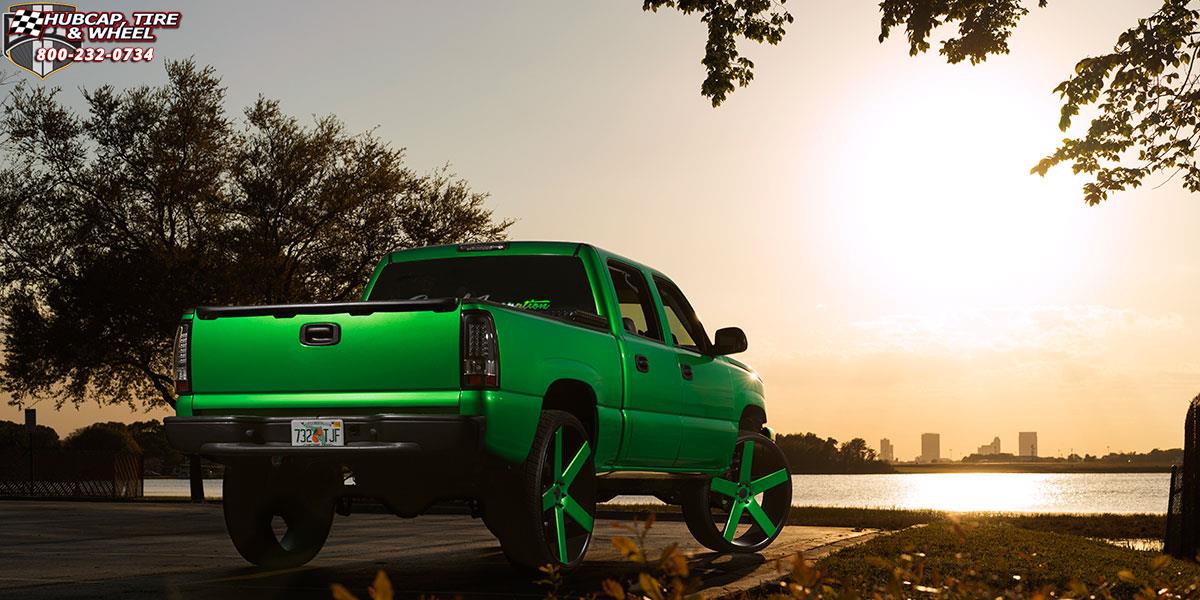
x=548, y=284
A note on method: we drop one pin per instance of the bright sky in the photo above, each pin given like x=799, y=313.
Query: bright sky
x=868, y=218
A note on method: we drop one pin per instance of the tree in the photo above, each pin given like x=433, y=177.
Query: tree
x=15, y=446
x=809, y=453
x=1144, y=91
x=114, y=222
x=856, y=452
x=104, y=440
x=158, y=456
x=728, y=20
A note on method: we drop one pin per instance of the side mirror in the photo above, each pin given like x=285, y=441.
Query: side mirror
x=729, y=340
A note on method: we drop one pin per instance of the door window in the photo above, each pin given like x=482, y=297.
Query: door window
x=686, y=330
x=638, y=315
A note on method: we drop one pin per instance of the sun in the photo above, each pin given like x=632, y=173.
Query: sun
x=936, y=204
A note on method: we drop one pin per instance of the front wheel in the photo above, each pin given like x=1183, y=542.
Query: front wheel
x=745, y=508
x=259, y=500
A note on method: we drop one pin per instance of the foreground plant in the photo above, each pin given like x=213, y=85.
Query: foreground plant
x=665, y=578
x=957, y=559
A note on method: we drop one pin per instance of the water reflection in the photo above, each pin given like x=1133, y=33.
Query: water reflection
x=976, y=491
x=989, y=492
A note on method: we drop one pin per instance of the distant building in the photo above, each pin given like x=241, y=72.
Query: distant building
x=1027, y=444
x=931, y=447
x=990, y=449
x=886, y=452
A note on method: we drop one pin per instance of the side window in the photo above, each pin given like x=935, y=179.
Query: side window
x=686, y=329
x=633, y=295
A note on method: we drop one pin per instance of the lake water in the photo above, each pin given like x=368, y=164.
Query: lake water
x=1000, y=492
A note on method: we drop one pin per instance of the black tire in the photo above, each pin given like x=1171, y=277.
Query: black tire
x=254, y=494
x=544, y=510
x=755, y=502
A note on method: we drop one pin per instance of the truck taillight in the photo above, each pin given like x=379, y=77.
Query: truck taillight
x=480, y=352
x=182, y=358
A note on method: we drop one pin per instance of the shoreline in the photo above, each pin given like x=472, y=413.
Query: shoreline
x=1018, y=467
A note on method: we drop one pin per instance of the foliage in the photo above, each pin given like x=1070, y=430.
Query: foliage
x=983, y=27
x=727, y=20
x=381, y=589
x=808, y=453
x=667, y=577
x=14, y=448
x=55, y=459
x=1149, y=107
x=862, y=518
x=1144, y=92
x=158, y=456
x=14, y=435
x=1108, y=526
x=114, y=222
x=951, y=560
x=106, y=440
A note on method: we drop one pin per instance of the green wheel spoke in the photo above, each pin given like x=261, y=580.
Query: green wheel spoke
x=735, y=515
x=724, y=486
x=760, y=517
x=576, y=511
x=561, y=530
x=767, y=482
x=747, y=457
x=548, y=499
x=576, y=464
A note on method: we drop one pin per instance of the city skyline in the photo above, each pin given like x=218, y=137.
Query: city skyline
x=1027, y=447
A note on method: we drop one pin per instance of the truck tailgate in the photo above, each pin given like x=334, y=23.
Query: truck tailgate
x=252, y=353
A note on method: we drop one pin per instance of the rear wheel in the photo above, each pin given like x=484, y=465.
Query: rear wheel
x=545, y=512
x=276, y=518
x=744, y=509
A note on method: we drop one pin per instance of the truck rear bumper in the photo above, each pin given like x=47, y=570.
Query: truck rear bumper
x=383, y=435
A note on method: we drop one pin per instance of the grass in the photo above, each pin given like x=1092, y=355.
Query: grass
x=994, y=559
x=863, y=518
x=1110, y=526
x=1012, y=557
x=1092, y=526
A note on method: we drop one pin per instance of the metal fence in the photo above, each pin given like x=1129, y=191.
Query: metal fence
x=122, y=478
x=1183, y=523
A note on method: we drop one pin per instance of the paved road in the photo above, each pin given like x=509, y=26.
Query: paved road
x=175, y=550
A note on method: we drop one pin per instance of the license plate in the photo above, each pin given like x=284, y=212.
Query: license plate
x=318, y=432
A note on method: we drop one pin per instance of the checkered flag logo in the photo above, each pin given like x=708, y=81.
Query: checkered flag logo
x=25, y=22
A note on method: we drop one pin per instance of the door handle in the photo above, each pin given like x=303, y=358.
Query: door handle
x=687, y=371
x=642, y=363
x=320, y=334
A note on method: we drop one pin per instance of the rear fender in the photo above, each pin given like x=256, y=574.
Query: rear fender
x=512, y=417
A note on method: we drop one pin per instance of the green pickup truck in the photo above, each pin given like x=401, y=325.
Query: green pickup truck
x=530, y=380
